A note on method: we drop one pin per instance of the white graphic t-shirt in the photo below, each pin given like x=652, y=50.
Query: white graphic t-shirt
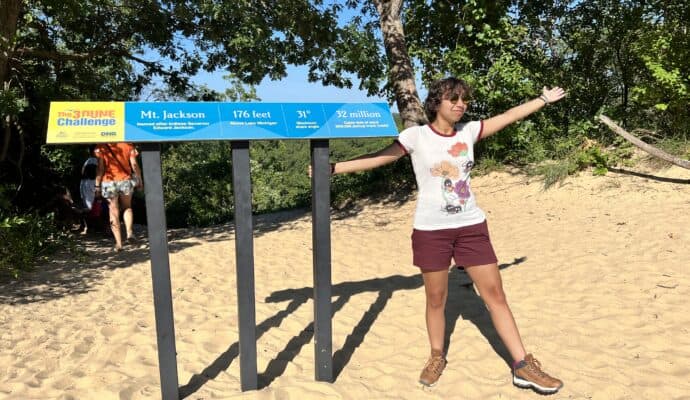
x=442, y=166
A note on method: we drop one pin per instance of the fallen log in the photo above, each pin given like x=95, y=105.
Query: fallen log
x=642, y=145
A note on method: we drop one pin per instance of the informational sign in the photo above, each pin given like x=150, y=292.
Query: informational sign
x=99, y=122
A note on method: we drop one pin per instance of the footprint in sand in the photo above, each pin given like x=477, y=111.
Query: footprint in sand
x=63, y=384
x=108, y=331
x=33, y=383
x=139, y=391
x=83, y=347
x=118, y=356
x=43, y=374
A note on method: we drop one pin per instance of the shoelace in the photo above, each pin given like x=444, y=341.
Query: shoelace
x=535, y=366
x=435, y=364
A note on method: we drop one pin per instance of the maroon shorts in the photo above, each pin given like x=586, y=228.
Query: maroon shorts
x=468, y=246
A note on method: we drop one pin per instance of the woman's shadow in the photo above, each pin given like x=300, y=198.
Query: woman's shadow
x=464, y=302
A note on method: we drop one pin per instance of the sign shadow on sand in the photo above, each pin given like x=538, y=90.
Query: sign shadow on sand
x=462, y=302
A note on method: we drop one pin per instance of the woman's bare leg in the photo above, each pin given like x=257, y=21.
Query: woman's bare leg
x=127, y=214
x=114, y=210
x=436, y=289
x=488, y=281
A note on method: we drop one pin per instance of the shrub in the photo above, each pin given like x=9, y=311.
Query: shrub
x=28, y=239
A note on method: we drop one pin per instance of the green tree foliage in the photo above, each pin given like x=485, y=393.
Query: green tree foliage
x=70, y=50
x=627, y=58
x=664, y=49
x=487, y=44
x=197, y=183
x=278, y=174
x=75, y=50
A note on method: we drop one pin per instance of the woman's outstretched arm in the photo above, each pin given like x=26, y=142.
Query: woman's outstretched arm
x=498, y=122
x=368, y=161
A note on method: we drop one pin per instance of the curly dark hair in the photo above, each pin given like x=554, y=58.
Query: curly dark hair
x=447, y=88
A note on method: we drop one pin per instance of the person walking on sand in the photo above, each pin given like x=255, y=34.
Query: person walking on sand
x=117, y=177
x=87, y=185
x=454, y=227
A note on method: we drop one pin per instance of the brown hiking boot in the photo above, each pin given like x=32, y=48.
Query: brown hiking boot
x=528, y=374
x=433, y=368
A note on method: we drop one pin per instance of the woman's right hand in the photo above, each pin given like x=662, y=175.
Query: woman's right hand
x=332, y=166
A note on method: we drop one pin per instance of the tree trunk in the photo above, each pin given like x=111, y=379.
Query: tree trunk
x=644, y=146
x=9, y=15
x=401, y=74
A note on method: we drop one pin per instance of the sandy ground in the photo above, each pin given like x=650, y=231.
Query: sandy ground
x=596, y=271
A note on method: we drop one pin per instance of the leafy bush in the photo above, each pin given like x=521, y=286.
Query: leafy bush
x=554, y=171
x=573, y=158
x=197, y=179
x=27, y=239
x=593, y=156
x=279, y=174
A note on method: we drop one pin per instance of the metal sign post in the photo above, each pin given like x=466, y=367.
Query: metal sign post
x=321, y=249
x=160, y=269
x=244, y=256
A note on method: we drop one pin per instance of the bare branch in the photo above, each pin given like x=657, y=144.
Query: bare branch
x=58, y=56
x=53, y=55
x=642, y=145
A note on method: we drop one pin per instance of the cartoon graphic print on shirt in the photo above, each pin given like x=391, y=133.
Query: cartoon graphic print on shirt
x=455, y=194
x=453, y=201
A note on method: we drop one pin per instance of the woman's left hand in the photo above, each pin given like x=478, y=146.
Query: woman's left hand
x=554, y=94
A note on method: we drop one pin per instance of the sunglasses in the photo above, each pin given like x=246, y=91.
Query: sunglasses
x=454, y=97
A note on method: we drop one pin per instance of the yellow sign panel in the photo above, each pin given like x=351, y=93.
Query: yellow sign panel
x=86, y=122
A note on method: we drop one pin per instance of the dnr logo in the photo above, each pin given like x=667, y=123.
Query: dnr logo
x=109, y=133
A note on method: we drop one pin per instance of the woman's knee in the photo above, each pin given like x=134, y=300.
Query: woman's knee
x=436, y=299
x=494, y=295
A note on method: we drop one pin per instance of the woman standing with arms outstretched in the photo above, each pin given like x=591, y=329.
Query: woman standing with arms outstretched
x=448, y=225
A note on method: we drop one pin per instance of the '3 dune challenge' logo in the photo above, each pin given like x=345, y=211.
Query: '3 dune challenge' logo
x=86, y=118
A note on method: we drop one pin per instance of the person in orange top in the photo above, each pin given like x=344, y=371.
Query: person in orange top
x=117, y=177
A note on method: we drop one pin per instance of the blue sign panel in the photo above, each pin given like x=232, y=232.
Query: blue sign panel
x=188, y=121
x=260, y=120
x=171, y=121
x=358, y=120
x=305, y=120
